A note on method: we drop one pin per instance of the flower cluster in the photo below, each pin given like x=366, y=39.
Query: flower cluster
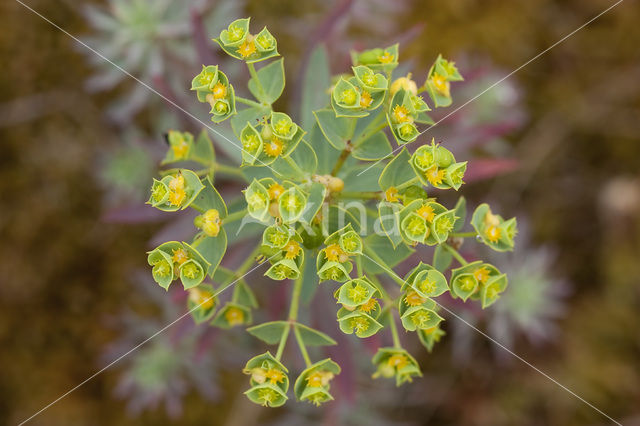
x=294, y=183
x=212, y=87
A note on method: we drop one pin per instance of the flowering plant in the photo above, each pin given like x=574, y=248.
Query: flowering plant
x=311, y=191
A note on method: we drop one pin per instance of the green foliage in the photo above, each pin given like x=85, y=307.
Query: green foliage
x=304, y=194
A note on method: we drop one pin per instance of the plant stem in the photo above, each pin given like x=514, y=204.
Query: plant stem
x=380, y=287
x=248, y=102
x=248, y=262
x=384, y=266
x=394, y=330
x=455, y=254
x=371, y=195
x=283, y=341
x=293, y=316
x=463, y=234
x=303, y=348
x=229, y=170
x=254, y=76
x=232, y=217
x=343, y=157
x=409, y=183
x=367, y=133
x=293, y=165
x=295, y=297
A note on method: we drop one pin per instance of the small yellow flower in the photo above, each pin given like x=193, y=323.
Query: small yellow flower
x=177, y=197
x=414, y=299
x=274, y=375
x=274, y=147
x=177, y=183
x=180, y=256
x=400, y=114
x=481, y=274
x=201, y=298
x=427, y=286
x=258, y=375
x=391, y=194
x=275, y=191
x=359, y=324
x=333, y=252
x=434, y=176
x=441, y=84
x=385, y=58
x=247, y=48
x=398, y=361
x=234, y=316
x=219, y=91
x=370, y=306
x=319, y=378
x=370, y=79
x=357, y=293
x=211, y=222
x=420, y=318
x=251, y=143
x=365, y=99
x=180, y=149
x=348, y=97
x=493, y=233
x=292, y=249
x=282, y=127
x=426, y=212
x=491, y=219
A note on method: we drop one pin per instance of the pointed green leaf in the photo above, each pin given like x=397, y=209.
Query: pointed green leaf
x=269, y=332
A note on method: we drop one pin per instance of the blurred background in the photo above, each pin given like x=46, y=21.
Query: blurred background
x=557, y=145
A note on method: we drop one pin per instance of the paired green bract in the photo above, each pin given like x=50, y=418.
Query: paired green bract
x=296, y=178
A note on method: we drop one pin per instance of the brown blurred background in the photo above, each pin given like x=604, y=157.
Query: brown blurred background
x=66, y=268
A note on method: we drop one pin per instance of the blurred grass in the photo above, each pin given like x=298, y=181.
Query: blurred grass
x=63, y=271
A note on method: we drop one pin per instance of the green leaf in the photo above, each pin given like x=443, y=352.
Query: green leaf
x=269, y=332
x=243, y=295
x=309, y=279
x=337, y=130
x=304, y=157
x=460, y=211
x=383, y=248
x=326, y=153
x=390, y=222
x=271, y=78
x=373, y=148
x=252, y=115
x=212, y=249
x=397, y=171
x=441, y=259
x=316, y=83
x=313, y=337
x=209, y=198
x=317, y=193
x=203, y=148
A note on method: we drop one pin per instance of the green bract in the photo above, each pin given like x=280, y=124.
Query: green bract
x=358, y=322
x=355, y=293
x=377, y=59
x=174, y=259
x=313, y=383
x=393, y=362
x=175, y=192
x=239, y=43
x=494, y=231
x=202, y=303
x=328, y=187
